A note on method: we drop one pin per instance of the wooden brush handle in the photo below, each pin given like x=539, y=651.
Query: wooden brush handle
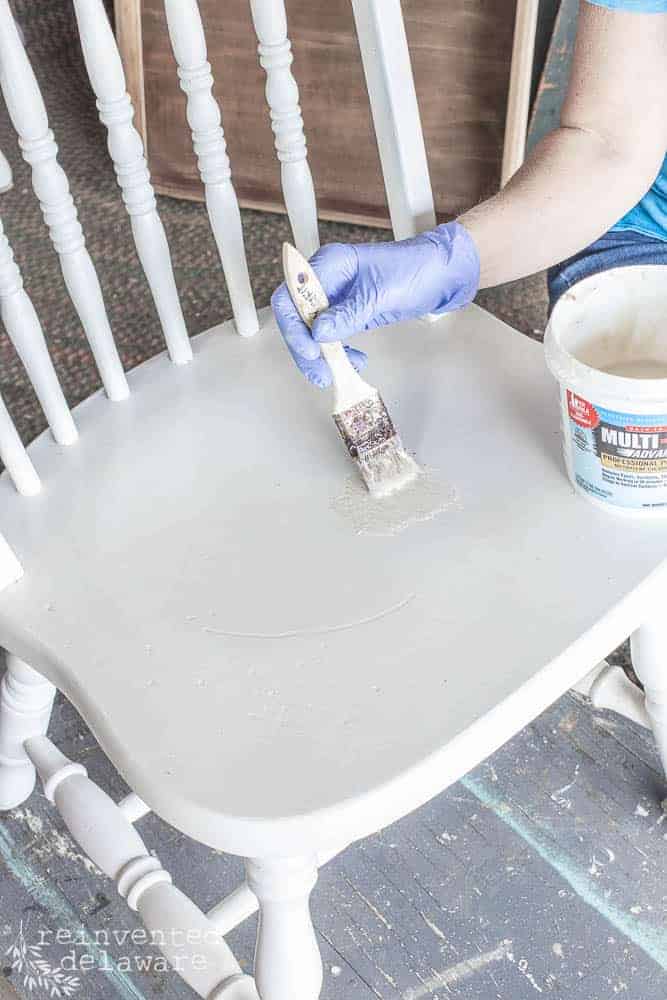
x=349, y=386
x=310, y=300
x=335, y=356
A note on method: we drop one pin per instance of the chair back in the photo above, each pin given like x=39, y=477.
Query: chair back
x=389, y=78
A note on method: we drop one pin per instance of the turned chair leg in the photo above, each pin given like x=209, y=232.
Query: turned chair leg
x=288, y=965
x=649, y=658
x=26, y=700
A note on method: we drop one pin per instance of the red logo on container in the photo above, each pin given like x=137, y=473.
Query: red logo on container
x=581, y=411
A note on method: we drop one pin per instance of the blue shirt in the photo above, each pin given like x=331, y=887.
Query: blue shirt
x=650, y=215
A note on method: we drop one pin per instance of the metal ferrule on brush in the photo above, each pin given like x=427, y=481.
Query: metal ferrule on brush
x=360, y=415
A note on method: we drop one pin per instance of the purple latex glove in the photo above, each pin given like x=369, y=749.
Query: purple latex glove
x=372, y=284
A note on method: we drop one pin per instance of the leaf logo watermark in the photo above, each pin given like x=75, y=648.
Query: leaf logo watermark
x=28, y=961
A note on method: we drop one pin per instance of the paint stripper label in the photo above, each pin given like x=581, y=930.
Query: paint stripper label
x=618, y=457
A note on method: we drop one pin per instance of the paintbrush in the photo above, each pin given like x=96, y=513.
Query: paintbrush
x=360, y=415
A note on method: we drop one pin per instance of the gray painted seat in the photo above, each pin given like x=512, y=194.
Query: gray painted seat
x=255, y=668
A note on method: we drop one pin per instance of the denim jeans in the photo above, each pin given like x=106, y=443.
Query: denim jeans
x=614, y=249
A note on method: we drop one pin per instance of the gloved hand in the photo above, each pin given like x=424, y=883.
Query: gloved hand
x=372, y=284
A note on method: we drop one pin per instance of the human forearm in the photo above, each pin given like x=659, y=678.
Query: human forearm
x=571, y=190
x=584, y=176
x=576, y=184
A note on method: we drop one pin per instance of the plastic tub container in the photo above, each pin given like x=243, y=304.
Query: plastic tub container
x=606, y=344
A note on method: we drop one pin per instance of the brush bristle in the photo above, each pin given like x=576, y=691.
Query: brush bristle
x=387, y=468
x=371, y=439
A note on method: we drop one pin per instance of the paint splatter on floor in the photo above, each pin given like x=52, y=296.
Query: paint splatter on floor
x=48, y=842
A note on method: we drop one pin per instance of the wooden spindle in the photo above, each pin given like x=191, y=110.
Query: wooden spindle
x=288, y=965
x=282, y=95
x=126, y=148
x=242, y=903
x=26, y=700
x=649, y=655
x=391, y=90
x=28, y=113
x=105, y=834
x=205, y=119
x=15, y=458
x=239, y=905
x=6, y=176
x=25, y=332
x=133, y=808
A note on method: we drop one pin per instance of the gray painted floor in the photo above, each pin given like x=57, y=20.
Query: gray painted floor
x=543, y=872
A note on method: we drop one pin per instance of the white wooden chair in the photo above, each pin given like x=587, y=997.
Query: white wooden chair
x=265, y=679
x=6, y=176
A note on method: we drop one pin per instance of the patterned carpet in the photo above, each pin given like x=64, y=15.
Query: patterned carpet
x=52, y=44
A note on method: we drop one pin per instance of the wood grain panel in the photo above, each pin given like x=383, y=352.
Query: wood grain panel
x=461, y=53
x=129, y=36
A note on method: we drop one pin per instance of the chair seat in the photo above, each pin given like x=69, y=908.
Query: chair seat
x=258, y=670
